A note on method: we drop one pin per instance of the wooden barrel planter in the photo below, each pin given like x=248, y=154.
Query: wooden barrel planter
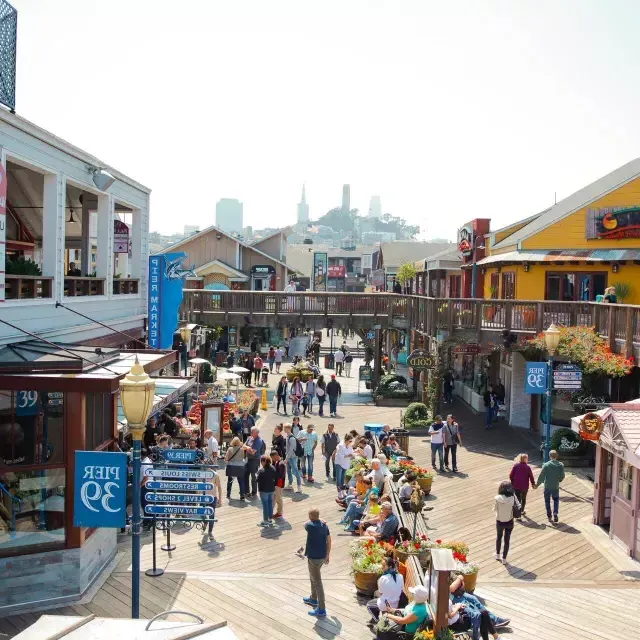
x=470, y=580
x=400, y=556
x=366, y=583
x=425, y=485
x=424, y=558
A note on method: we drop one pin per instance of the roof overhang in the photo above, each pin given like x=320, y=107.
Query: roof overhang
x=217, y=266
x=561, y=255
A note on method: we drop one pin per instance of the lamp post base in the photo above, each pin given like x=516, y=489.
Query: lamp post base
x=154, y=573
x=168, y=547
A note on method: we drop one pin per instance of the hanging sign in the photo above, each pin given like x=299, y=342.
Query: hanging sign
x=100, y=489
x=319, y=281
x=567, y=377
x=535, y=378
x=27, y=403
x=467, y=349
x=161, y=485
x=420, y=360
x=165, y=510
x=177, y=498
x=179, y=455
x=591, y=426
x=177, y=473
x=120, y=237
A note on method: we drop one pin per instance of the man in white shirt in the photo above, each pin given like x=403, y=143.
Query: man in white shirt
x=436, y=431
x=339, y=356
x=376, y=474
x=212, y=447
x=279, y=358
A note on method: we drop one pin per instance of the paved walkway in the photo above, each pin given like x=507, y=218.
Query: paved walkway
x=564, y=582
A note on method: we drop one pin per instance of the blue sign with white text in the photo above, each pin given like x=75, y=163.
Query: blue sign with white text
x=535, y=378
x=179, y=455
x=164, y=510
x=166, y=277
x=27, y=403
x=100, y=489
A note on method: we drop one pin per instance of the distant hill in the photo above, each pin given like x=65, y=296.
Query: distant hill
x=349, y=221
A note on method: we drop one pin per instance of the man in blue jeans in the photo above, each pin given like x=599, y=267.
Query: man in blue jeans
x=291, y=459
x=437, y=442
x=551, y=475
x=334, y=391
x=309, y=439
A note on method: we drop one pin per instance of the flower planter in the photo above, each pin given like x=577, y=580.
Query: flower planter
x=489, y=313
x=470, y=580
x=366, y=583
x=425, y=485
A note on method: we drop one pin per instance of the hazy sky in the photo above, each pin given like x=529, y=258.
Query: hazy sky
x=447, y=110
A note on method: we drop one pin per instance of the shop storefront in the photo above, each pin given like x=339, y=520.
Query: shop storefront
x=70, y=404
x=263, y=278
x=474, y=371
x=574, y=250
x=616, y=504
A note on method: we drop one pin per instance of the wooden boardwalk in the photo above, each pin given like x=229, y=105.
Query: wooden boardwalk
x=563, y=582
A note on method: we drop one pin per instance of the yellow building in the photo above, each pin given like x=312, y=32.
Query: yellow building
x=573, y=250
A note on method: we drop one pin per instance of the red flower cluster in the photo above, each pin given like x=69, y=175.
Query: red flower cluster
x=460, y=557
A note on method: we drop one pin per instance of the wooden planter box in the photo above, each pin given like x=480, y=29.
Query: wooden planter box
x=392, y=402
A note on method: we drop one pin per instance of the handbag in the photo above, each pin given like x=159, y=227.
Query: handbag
x=517, y=509
x=319, y=392
x=235, y=470
x=456, y=438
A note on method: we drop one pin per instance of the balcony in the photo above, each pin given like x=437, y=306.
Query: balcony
x=79, y=286
x=27, y=287
x=125, y=286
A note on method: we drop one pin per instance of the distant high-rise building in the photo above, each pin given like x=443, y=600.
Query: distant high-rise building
x=248, y=233
x=190, y=229
x=303, y=207
x=229, y=215
x=346, y=198
x=375, y=207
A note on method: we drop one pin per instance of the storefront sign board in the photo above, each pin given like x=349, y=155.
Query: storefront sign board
x=613, y=223
x=467, y=349
x=100, y=489
x=591, y=426
x=120, y=237
x=535, y=378
x=365, y=373
x=420, y=360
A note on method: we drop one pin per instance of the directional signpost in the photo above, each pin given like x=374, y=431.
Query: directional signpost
x=567, y=377
x=178, y=486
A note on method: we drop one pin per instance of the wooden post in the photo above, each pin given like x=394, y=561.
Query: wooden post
x=611, y=331
x=75, y=439
x=539, y=317
x=628, y=333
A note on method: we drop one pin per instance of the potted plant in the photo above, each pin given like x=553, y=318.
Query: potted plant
x=490, y=309
x=623, y=290
x=468, y=571
x=424, y=478
x=22, y=267
x=529, y=317
x=395, y=470
x=367, y=558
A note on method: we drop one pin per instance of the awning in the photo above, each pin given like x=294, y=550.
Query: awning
x=167, y=391
x=562, y=255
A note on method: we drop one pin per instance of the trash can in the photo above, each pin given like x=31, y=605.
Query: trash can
x=402, y=438
x=329, y=361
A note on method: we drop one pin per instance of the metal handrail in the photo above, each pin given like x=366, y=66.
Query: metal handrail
x=14, y=501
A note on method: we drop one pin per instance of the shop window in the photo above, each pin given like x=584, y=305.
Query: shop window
x=31, y=428
x=581, y=286
x=32, y=510
x=509, y=285
x=455, y=286
x=99, y=420
x=625, y=480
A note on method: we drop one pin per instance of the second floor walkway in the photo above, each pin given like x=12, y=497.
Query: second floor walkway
x=619, y=323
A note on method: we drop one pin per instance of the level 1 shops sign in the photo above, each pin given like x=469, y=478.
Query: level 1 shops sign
x=421, y=360
x=100, y=489
x=567, y=377
x=535, y=378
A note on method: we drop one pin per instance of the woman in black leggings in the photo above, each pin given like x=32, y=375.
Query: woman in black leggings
x=503, y=506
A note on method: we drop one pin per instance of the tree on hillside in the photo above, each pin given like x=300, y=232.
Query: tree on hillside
x=349, y=221
x=339, y=220
x=397, y=225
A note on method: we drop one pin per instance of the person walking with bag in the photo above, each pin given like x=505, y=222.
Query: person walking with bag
x=281, y=394
x=521, y=477
x=281, y=474
x=452, y=439
x=310, y=392
x=234, y=459
x=506, y=507
x=348, y=360
x=321, y=394
x=254, y=448
x=317, y=551
x=266, y=480
x=291, y=459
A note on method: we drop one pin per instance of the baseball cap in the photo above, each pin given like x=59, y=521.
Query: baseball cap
x=419, y=593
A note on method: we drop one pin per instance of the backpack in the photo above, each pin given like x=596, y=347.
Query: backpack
x=299, y=447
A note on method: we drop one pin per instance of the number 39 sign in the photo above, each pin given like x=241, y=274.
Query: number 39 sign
x=100, y=489
x=535, y=382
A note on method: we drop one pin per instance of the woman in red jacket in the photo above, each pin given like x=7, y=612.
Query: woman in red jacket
x=521, y=477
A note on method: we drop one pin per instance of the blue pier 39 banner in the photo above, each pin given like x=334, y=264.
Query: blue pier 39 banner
x=166, y=277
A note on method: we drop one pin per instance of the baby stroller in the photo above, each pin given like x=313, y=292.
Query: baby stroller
x=295, y=405
x=264, y=378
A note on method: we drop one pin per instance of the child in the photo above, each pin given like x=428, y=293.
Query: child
x=371, y=517
x=305, y=404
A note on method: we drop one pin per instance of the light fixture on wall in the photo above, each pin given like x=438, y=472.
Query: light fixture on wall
x=71, y=219
x=614, y=268
x=218, y=236
x=101, y=178
x=526, y=266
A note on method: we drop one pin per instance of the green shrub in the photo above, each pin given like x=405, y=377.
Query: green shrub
x=22, y=267
x=385, y=381
x=416, y=411
x=568, y=443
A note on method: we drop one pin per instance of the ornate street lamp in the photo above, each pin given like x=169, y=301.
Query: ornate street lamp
x=136, y=397
x=551, y=340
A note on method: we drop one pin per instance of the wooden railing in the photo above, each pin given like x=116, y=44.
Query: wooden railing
x=123, y=286
x=78, y=286
x=27, y=287
x=619, y=323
